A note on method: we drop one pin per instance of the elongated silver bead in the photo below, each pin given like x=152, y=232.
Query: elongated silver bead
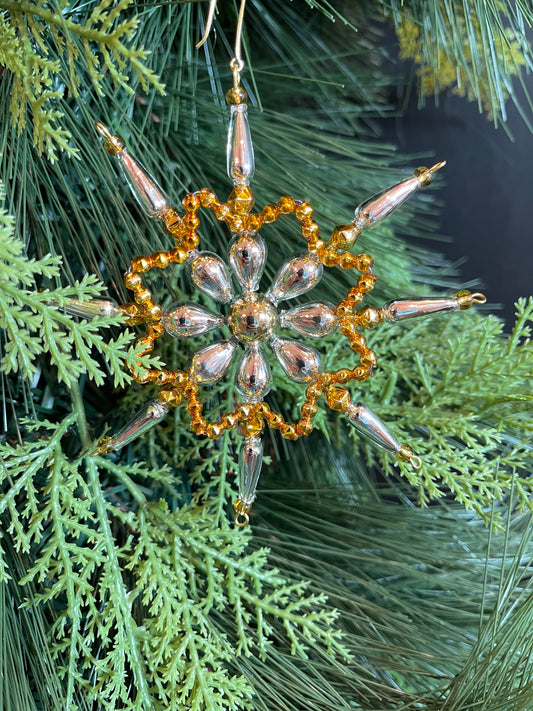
x=240, y=151
x=144, y=187
x=250, y=460
x=186, y=319
x=93, y=308
x=401, y=309
x=380, y=206
x=143, y=421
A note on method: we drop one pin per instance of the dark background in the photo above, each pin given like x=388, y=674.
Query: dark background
x=486, y=188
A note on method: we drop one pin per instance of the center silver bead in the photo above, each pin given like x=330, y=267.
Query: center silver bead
x=252, y=318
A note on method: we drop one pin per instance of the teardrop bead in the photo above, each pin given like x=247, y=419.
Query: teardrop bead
x=365, y=421
x=401, y=309
x=253, y=376
x=250, y=460
x=301, y=363
x=313, y=320
x=209, y=364
x=247, y=256
x=209, y=274
x=380, y=206
x=144, y=420
x=295, y=278
x=240, y=151
x=92, y=308
x=143, y=186
x=185, y=319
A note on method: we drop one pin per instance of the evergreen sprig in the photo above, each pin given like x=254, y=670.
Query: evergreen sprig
x=41, y=44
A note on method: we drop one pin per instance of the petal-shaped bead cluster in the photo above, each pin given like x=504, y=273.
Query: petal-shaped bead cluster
x=253, y=319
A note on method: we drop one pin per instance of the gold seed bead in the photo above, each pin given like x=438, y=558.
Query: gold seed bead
x=178, y=255
x=343, y=309
x=231, y=419
x=348, y=329
x=245, y=410
x=314, y=391
x=355, y=294
x=363, y=262
x=156, y=329
x=309, y=409
x=288, y=431
x=286, y=204
x=141, y=264
x=310, y=230
x=338, y=398
x=236, y=95
x=170, y=396
x=161, y=259
x=190, y=388
x=347, y=261
x=198, y=426
x=304, y=427
x=191, y=241
x=330, y=258
x=263, y=408
x=236, y=223
x=172, y=221
x=344, y=375
x=369, y=317
x=214, y=430
x=269, y=213
x=303, y=211
x=179, y=377
x=316, y=246
x=369, y=359
x=252, y=427
x=207, y=197
x=366, y=282
x=253, y=223
x=146, y=343
x=361, y=373
x=357, y=342
x=222, y=210
x=275, y=420
x=132, y=281
x=144, y=297
x=191, y=222
x=191, y=202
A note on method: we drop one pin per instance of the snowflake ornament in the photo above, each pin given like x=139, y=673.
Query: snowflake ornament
x=253, y=318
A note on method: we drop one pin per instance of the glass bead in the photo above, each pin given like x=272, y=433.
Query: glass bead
x=338, y=398
x=241, y=199
x=144, y=420
x=186, y=319
x=250, y=460
x=365, y=421
x=402, y=309
x=295, y=278
x=93, y=308
x=313, y=320
x=253, y=375
x=247, y=256
x=345, y=236
x=209, y=364
x=252, y=318
x=209, y=274
x=301, y=363
x=143, y=186
x=240, y=151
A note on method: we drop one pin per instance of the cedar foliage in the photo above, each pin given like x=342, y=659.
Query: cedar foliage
x=124, y=584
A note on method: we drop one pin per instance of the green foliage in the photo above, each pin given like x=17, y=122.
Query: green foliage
x=477, y=48
x=43, y=45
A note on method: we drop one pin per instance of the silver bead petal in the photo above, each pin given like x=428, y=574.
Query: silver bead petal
x=209, y=274
x=295, y=278
x=247, y=255
x=185, y=319
x=313, y=320
x=210, y=363
x=301, y=363
x=250, y=460
x=240, y=151
x=253, y=375
x=365, y=421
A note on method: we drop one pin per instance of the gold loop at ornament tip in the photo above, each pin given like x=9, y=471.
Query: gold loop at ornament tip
x=244, y=522
x=103, y=130
x=479, y=298
x=437, y=166
x=415, y=462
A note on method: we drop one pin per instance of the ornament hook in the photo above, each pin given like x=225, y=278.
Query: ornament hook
x=236, y=64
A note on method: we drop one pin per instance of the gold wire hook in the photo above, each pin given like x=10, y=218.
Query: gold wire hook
x=236, y=64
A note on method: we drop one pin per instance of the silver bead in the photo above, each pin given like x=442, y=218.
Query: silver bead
x=240, y=151
x=250, y=460
x=210, y=363
x=365, y=421
x=295, y=278
x=143, y=421
x=253, y=375
x=247, y=255
x=148, y=193
x=209, y=274
x=313, y=320
x=252, y=318
x=93, y=308
x=185, y=319
x=301, y=363
x=401, y=309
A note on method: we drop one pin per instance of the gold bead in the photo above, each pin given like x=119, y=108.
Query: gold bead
x=190, y=388
x=286, y=204
x=214, y=430
x=347, y=261
x=172, y=221
x=366, y=282
x=241, y=199
x=156, y=329
x=161, y=259
x=132, y=281
x=316, y=246
x=191, y=222
x=357, y=342
x=304, y=427
x=253, y=223
x=309, y=409
x=144, y=345
x=231, y=419
x=369, y=359
x=178, y=255
x=369, y=317
x=314, y=391
x=330, y=258
x=310, y=230
x=170, y=396
x=345, y=236
x=288, y=431
x=363, y=262
x=222, y=210
x=343, y=375
x=360, y=373
x=207, y=197
x=275, y=420
x=236, y=223
x=245, y=410
x=252, y=427
x=141, y=264
x=303, y=211
x=236, y=95
x=338, y=398
x=269, y=213
x=191, y=202
x=144, y=297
